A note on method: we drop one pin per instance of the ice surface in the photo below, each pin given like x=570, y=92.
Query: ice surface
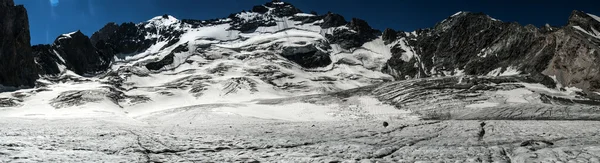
x=595, y=17
x=456, y=14
x=484, y=104
x=516, y=95
x=586, y=32
x=234, y=139
x=304, y=15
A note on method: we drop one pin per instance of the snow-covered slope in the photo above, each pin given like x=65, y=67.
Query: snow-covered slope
x=275, y=53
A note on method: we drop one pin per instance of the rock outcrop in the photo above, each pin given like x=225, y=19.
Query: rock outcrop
x=333, y=20
x=17, y=67
x=48, y=61
x=357, y=33
x=80, y=55
x=389, y=35
x=576, y=54
x=308, y=56
x=123, y=39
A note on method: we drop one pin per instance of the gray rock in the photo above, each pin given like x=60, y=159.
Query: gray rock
x=17, y=66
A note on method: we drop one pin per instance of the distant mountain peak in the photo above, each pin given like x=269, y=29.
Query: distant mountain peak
x=164, y=20
x=584, y=20
x=277, y=8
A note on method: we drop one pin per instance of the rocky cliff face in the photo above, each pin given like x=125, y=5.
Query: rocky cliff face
x=17, y=67
x=476, y=44
x=576, y=54
x=80, y=55
x=74, y=52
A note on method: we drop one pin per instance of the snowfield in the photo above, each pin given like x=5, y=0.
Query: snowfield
x=336, y=127
x=236, y=139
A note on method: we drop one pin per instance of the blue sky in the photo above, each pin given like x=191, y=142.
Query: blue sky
x=50, y=18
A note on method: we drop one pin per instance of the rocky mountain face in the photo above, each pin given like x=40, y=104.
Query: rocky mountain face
x=73, y=52
x=476, y=44
x=17, y=67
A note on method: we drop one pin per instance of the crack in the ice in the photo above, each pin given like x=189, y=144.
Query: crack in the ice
x=506, y=155
x=395, y=149
x=412, y=142
x=147, y=151
x=139, y=143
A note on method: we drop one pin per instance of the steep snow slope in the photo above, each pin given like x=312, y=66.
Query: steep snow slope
x=189, y=63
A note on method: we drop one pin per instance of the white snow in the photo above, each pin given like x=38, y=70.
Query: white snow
x=304, y=15
x=221, y=49
x=510, y=71
x=494, y=19
x=595, y=17
x=218, y=32
x=456, y=14
x=516, y=95
x=587, y=32
x=38, y=105
x=161, y=21
x=291, y=35
x=558, y=85
x=484, y=104
x=247, y=16
x=495, y=72
x=67, y=35
x=409, y=52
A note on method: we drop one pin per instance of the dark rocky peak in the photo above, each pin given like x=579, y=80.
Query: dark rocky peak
x=77, y=35
x=531, y=28
x=48, y=62
x=355, y=35
x=105, y=32
x=389, y=35
x=466, y=20
x=579, y=18
x=281, y=9
x=17, y=67
x=166, y=22
x=548, y=28
x=80, y=55
x=361, y=26
x=126, y=38
x=260, y=9
x=585, y=21
x=276, y=8
x=477, y=44
x=193, y=22
x=333, y=20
